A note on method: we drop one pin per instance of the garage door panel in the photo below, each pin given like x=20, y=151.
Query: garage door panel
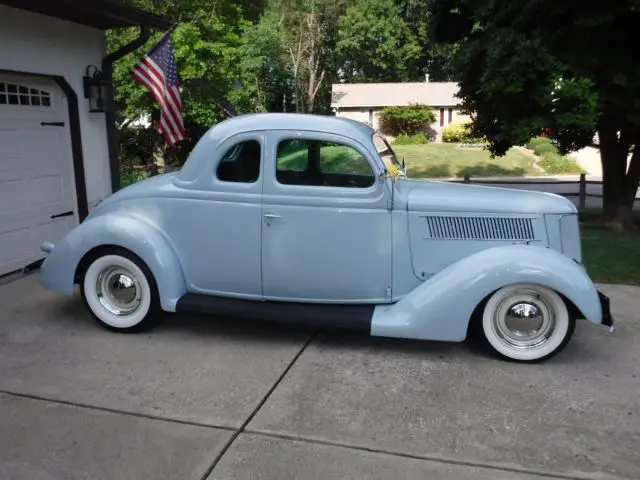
x=47, y=190
x=11, y=195
x=16, y=248
x=36, y=177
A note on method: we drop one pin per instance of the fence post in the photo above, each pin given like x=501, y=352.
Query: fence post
x=583, y=191
x=467, y=178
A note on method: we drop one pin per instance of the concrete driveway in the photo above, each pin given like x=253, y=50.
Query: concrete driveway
x=200, y=398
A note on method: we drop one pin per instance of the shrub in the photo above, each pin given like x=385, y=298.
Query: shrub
x=417, y=139
x=458, y=132
x=537, y=141
x=407, y=120
x=553, y=162
x=454, y=132
x=544, y=148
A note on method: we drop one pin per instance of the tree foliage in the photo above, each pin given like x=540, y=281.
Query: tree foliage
x=524, y=66
x=244, y=56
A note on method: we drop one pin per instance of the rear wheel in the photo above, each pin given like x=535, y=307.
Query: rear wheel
x=120, y=291
x=526, y=323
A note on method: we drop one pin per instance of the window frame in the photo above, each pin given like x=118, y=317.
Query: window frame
x=31, y=93
x=308, y=138
x=273, y=188
x=215, y=183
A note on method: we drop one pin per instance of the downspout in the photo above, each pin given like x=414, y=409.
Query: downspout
x=110, y=110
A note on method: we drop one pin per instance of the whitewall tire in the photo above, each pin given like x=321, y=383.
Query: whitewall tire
x=526, y=323
x=120, y=291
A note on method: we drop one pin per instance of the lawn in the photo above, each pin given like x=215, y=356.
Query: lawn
x=609, y=257
x=449, y=160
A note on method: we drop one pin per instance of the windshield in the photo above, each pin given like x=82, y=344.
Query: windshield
x=386, y=152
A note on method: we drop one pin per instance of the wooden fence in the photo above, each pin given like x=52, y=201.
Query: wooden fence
x=582, y=183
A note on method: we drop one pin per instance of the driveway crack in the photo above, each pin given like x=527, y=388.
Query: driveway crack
x=258, y=407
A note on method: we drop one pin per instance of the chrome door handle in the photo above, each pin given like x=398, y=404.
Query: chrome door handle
x=271, y=215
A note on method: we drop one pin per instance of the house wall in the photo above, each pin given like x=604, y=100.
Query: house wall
x=363, y=115
x=38, y=44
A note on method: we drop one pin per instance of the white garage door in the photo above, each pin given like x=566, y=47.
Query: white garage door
x=36, y=170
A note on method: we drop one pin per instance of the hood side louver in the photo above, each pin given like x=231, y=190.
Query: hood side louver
x=479, y=228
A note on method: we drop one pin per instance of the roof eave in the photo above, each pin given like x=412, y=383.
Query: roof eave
x=100, y=14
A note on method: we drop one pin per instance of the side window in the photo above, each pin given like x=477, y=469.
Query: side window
x=319, y=163
x=240, y=163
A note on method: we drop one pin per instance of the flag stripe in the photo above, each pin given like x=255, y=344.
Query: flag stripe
x=156, y=71
x=168, y=100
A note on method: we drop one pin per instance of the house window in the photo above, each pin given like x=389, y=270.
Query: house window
x=442, y=117
x=16, y=94
x=371, y=117
x=450, y=115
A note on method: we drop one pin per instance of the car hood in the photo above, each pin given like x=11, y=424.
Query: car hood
x=434, y=196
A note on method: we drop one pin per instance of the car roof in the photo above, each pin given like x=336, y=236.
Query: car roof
x=289, y=121
x=270, y=121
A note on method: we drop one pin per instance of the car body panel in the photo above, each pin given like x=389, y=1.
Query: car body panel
x=422, y=254
x=326, y=244
x=120, y=230
x=441, y=307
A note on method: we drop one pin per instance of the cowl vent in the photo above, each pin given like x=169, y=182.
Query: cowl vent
x=479, y=228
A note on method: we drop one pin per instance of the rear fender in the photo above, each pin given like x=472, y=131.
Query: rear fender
x=441, y=307
x=132, y=233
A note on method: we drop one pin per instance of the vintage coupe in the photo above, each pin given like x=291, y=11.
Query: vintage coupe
x=311, y=219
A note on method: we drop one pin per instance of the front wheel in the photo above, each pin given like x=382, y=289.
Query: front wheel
x=120, y=292
x=526, y=323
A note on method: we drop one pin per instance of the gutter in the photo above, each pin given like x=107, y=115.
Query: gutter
x=110, y=113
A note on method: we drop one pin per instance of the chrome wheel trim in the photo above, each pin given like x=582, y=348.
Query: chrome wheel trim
x=551, y=322
x=121, y=309
x=525, y=319
x=118, y=291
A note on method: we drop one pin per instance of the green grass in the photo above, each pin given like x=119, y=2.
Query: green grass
x=556, y=163
x=611, y=257
x=449, y=160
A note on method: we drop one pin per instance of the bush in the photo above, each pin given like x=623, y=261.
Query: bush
x=544, y=148
x=417, y=139
x=407, y=120
x=535, y=141
x=553, y=162
x=458, y=132
x=454, y=132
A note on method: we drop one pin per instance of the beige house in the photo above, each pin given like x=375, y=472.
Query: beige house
x=364, y=101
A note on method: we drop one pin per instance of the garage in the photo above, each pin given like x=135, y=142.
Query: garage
x=58, y=151
x=37, y=192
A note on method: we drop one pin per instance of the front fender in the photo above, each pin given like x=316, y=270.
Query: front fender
x=441, y=307
x=122, y=230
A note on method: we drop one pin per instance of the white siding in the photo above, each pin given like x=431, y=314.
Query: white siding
x=39, y=44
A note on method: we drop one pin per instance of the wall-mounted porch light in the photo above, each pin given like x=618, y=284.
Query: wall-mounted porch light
x=95, y=85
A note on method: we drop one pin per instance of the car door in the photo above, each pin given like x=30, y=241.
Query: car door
x=326, y=233
x=218, y=229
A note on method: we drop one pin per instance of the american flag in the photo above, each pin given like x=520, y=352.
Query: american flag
x=157, y=72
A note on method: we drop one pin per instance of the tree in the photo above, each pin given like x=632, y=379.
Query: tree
x=526, y=65
x=308, y=28
x=266, y=82
x=207, y=46
x=375, y=44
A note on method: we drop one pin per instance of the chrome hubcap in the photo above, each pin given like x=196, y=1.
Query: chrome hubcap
x=524, y=320
x=118, y=291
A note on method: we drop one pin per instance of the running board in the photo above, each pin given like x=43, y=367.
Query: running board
x=356, y=317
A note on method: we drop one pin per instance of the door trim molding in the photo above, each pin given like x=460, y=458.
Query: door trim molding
x=77, y=154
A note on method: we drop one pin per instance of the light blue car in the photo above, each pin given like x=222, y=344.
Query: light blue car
x=311, y=219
